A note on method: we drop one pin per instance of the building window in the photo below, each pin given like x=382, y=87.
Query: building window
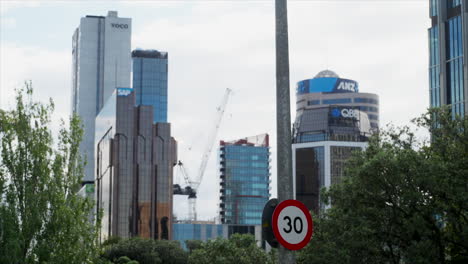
x=434, y=68
x=451, y=3
x=337, y=101
x=313, y=102
x=366, y=100
x=455, y=93
x=434, y=10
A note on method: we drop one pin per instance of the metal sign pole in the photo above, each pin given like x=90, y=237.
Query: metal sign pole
x=283, y=116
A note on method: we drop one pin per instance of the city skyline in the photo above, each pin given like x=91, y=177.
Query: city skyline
x=214, y=45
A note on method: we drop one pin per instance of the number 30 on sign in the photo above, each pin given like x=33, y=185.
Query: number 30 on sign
x=292, y=224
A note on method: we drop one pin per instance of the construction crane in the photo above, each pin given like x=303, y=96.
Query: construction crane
x=192, y=184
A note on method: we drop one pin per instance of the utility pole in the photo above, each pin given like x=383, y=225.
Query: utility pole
x=283, y=117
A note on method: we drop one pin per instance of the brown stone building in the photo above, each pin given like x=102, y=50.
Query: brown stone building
x=134, y=169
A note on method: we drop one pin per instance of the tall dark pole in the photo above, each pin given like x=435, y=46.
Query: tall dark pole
x=283, y=116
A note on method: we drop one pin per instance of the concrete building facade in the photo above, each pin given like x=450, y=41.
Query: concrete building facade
x=134, y=169
x=101, y=62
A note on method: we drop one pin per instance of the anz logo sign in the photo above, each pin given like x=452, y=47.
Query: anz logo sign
x=122, y=26
x=349, y=86
x=344, y=85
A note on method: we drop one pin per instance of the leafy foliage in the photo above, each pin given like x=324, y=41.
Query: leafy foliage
x=42, y=219
x=145, y=251
x=403, y=201
x=239, y=249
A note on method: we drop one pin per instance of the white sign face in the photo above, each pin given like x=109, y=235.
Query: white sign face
x=292, y=225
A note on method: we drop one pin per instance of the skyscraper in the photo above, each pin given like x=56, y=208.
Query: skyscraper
x=448, y=42
x=333, y=119
x=100, y=62
x=150, y=81
x=134, y=166
x=245, y=179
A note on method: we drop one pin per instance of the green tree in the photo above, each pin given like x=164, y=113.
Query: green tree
x=193, y=244
x=402, y=200
x=146, y=251
x=239, y=249
x=42, y=219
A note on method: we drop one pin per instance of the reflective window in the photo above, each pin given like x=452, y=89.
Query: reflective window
x=455, y=93
x=434, y=10
x=150, y=85
x=434, y=67
x=246, y=178
x=452, y=3
x=366, y=100
x=337, y=101
x=310, y=176
x=313, y=102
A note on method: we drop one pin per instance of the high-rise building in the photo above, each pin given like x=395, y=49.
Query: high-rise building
x=245, y=179
x=101, y=62
x=448, y=42
x=150, y=81
x=333, y=120
x=134, y=166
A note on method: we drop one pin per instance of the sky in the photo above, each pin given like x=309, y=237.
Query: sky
x=214, y=45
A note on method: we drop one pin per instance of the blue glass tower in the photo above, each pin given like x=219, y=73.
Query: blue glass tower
x=245, y=180
x=448, y=84
x=150, y=81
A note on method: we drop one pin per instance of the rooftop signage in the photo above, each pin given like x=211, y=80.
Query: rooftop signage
x=122, y=26
x=327, y=85
x=124, y=91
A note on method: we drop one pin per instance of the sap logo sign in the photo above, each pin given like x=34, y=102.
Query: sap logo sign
x=347, y=86
x=123, y=92
x=349, y=113
x=122, y=26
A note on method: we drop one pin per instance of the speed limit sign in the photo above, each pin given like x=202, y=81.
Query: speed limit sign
x=292, y=224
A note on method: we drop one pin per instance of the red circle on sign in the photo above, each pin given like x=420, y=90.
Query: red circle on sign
x=276, y=231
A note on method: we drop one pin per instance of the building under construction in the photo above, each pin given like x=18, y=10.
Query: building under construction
x=245, y=179
x=134, y=168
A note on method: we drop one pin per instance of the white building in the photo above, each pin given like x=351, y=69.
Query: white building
x=101, y=62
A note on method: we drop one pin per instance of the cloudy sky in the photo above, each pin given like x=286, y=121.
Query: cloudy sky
x=213, y=45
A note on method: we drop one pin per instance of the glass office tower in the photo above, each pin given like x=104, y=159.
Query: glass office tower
x=245, y=179
x=333, y=120
x=150, y=81
x=134, y=167
x=101, y=62
x=447, y=43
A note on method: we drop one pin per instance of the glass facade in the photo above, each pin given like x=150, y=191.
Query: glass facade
x=337, y=101
x=433, y=8
x=245, y=182
x=310, y=176
x=204, y=232
x=453, y=3
x=454, y=54
x=338, y=157
x=434, y=67
x=446, y=61
x=150, y=78
x=133, y=191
